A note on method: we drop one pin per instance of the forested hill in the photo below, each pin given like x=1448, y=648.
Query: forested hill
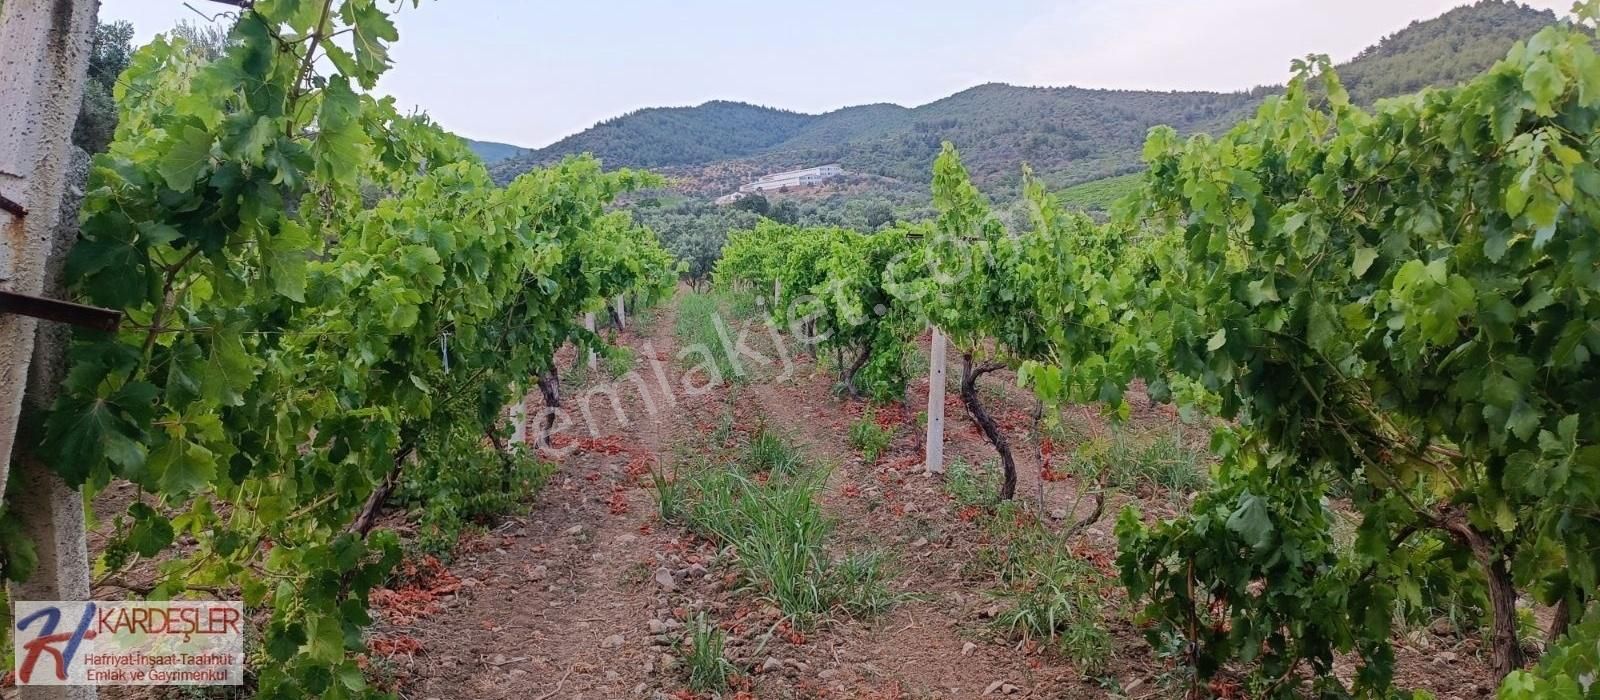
x=1069, y=135
x=492, y=152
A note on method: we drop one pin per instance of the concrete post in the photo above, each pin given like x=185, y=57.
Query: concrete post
x=42, y=68
x=622, y=312
x=50, y=512
x=42, y=73
x=588, y=322
x=933, y=456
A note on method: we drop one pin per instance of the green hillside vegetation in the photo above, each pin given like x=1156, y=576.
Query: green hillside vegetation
x=1099, y=195
x=491, y=152
x=666, y=136
x=1442, y=51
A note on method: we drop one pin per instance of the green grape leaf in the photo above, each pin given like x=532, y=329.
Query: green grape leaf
x=186, y=157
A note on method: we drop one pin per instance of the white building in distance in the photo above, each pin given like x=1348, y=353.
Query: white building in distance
x=794, y=178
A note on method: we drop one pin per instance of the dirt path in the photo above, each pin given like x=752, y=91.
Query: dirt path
x=553, y=605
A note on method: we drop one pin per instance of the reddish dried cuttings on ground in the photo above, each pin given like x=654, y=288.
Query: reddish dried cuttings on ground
x=791, y=634
x=393, y=646
x=422, y=584
x=639, y=467
x=618, y=502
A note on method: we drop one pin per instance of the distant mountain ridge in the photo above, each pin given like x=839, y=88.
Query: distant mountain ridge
x=492, y=152
x=1068, y=135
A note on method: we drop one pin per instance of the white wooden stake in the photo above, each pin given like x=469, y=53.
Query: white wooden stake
x=777, y=293
x=519, y=421
x=622, y=312
x=588, y=322
x=933, y=462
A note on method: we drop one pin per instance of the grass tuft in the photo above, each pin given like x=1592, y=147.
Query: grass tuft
x=771, y=452
x=709, y=671
x=972, y=487
x=871, y=439
x=1128, y=461
x=779, y=536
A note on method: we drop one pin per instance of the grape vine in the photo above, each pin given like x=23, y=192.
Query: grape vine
x=320, y=292
x=1394, y=312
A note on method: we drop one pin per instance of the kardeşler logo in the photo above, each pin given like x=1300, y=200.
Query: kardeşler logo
x=180, y=642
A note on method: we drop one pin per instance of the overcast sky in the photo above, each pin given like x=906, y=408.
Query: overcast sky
x=528, y=72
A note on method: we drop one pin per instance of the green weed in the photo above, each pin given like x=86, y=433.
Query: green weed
x=972, y=486
x=771, y=452
x=1052, y=596
x=709, y=671
x=780, y=537
x=458, y=484
x=724, y=430
x=619, y=361
x=869, y=438
x=1126, y=461
x=696, y=329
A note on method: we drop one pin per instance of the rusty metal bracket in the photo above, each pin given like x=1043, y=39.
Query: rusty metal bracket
x=60, y=311
x=14, y=208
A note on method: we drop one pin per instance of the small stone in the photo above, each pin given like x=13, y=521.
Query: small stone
x=990, y=612
x=597, y=557
x=538, y=573
x=919, y=543
x=968, y=648
x=829, y=674
x=771, y=665
x=612, y=642
x=672, y=624
x=656, y=626
x=613, y=676
x=668, y=662
x=799, y=665
x=1441, y=627
x=993, y=687
x=498, y=659
x=1445, y=657
x=697, y=570
x=1058, y=514
x=517, y=672
x=1009, y=689
x=628, y=538
x=665, y=580
x=574, y=531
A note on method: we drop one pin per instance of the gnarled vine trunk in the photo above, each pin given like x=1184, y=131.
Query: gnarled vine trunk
x=550, y=387
x=969, y=398
x=373, y=507
x=1505, y=650
x=855, y=367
